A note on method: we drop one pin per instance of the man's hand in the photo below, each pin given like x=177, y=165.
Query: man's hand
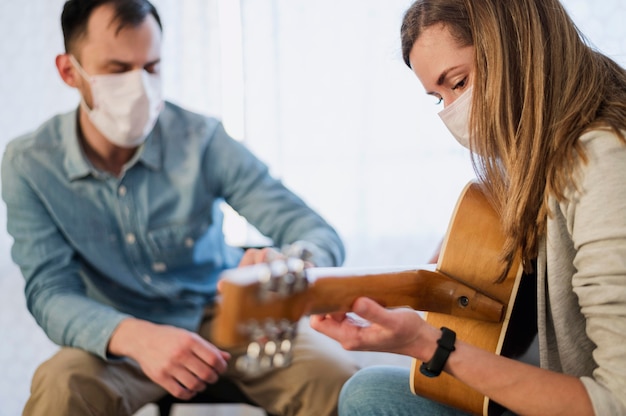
x=178, y=360
x=259, y=255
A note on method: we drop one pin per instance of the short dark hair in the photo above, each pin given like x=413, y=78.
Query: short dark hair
x=76, y=14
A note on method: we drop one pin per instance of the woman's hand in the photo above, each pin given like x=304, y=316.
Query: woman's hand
x=400, y=331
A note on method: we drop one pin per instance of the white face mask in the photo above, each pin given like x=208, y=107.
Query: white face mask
x=456, y=117
x=125, y=106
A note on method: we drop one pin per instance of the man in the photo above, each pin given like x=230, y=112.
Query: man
x=114, y=213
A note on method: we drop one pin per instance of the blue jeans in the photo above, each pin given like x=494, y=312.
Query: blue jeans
x=385, y=391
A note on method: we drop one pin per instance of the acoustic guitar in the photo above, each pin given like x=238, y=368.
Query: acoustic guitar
x=260, y=304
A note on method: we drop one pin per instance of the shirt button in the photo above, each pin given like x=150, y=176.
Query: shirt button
x=130, y=238
x=122, y=190
x=159, y=267
x=189, y=242
x=147, y=278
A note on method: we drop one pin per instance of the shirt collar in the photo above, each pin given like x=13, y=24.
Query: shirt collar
x=76, y=164
x=151, y=153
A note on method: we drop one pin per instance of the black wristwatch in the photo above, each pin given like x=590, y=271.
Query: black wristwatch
x=445, y=345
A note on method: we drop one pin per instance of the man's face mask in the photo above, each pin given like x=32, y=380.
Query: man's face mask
x=456, y=117
x=125, y=106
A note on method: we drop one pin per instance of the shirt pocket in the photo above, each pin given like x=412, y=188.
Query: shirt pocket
x=175, y=245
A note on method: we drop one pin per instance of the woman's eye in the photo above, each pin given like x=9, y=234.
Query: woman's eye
x=460, y=84
x=153, y=68
x=118, y=70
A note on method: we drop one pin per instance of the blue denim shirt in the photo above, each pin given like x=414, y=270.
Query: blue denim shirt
x=95, y=248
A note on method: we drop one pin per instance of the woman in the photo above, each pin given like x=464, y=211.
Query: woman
x=544, y=116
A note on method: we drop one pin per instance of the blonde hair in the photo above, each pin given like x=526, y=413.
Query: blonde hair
x=538, y=86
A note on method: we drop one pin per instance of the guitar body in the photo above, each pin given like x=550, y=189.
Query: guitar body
x=463, y=292
x=470, y=254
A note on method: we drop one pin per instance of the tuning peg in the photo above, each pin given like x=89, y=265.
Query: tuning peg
x=295, y=265
x=254, y=350
x=271, y=346
x=278, y=268
x=297, y=250
x=250, y=362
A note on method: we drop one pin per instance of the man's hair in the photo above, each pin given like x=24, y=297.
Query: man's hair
x=76, y=15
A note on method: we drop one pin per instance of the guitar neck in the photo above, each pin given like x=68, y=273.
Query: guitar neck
x=336, y=289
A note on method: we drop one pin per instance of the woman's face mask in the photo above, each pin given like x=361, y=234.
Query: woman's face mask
x=125, y=106
x=456, y=117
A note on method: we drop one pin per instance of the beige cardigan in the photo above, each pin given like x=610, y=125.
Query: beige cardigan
x=582, y=277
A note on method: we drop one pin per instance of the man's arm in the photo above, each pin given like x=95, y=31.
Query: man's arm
x=177, y=359
x=244, y=181
x=55, y=292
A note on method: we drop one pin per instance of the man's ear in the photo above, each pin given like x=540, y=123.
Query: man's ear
x=68, y=73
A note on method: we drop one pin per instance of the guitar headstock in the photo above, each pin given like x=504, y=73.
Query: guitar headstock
x=259, y=308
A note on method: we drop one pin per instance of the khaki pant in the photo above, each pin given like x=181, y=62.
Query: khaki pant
x=77, y=383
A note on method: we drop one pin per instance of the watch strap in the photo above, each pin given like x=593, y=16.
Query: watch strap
x=445, y=345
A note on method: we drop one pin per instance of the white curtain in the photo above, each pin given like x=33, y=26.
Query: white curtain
x=316, y=88
x=334, y=110
x=332, y=107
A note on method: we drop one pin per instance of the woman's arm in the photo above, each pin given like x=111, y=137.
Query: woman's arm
x=522, y=388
